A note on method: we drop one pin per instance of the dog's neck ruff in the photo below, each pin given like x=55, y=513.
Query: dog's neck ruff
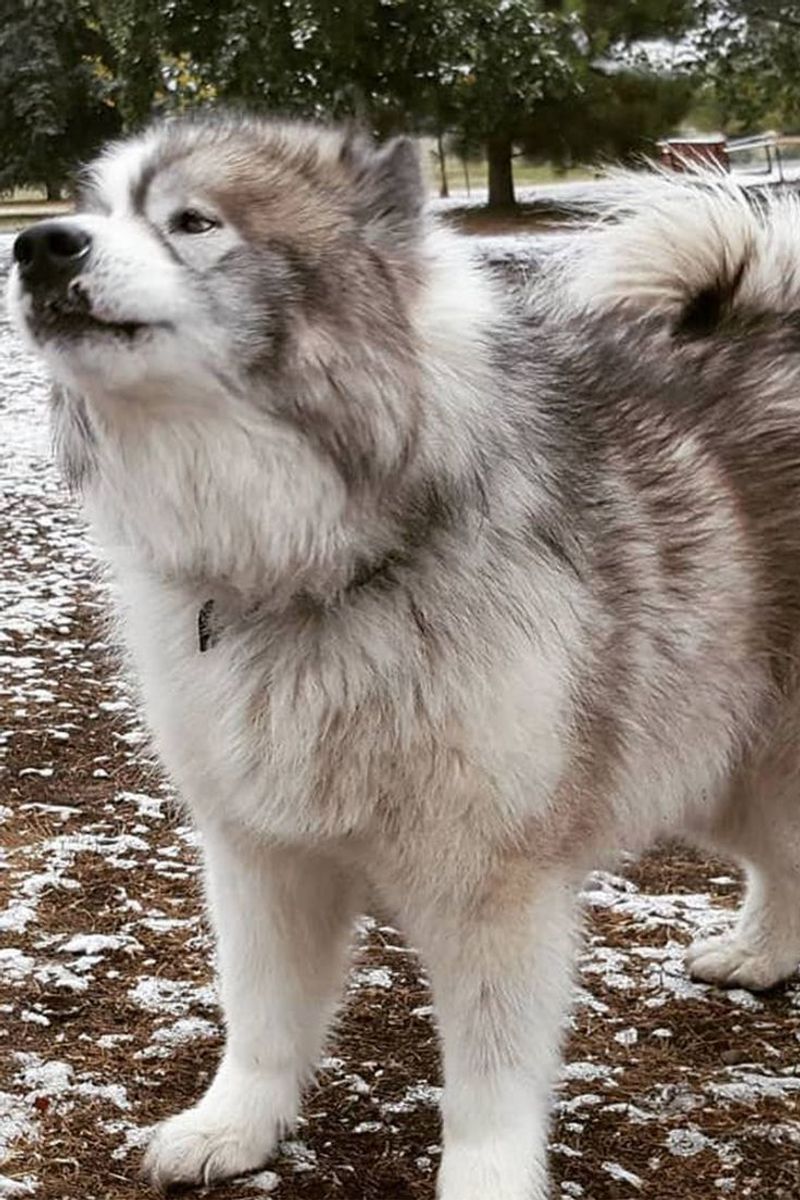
x=212, y=622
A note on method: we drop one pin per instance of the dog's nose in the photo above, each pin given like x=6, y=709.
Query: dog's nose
x=51, y=252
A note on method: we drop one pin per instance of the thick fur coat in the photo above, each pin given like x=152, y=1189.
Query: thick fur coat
x=436, y=593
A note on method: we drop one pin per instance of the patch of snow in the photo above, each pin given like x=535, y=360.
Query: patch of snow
x=564, y=1150
x=109, y=1041
x=750, y=1087
x=34, y=1018
x=421, y=1095
x=371, y=977
x=587, y=1072
x=15, y=1121
x=112, y=1093
x=744, y=999
x=134, y=1137
x=187, y=1029
x=95, y=944
x=302, y=1157
x=44, y=1077
x=14, y=965
x=686, y=1143
x=265, y=1182
x=621, y=1175
x=26, y=1186
x=172, y=996
x=575, y=1103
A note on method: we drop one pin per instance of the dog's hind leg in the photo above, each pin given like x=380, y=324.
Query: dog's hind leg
x=283, y=920
x=759, y=825
x=500, y=969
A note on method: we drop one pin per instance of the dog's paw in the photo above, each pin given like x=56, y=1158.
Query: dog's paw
x=490, y=1173
x=194, y=1148
x=731, y=962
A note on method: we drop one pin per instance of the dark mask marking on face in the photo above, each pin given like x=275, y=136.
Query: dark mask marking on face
x=165, y=242
x=141, y=186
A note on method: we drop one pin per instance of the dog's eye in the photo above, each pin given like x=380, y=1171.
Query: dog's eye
x=191, y=221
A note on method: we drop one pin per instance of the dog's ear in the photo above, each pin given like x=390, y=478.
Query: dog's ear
x=389, y=187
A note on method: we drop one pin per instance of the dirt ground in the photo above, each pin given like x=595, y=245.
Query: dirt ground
x=108, y=1017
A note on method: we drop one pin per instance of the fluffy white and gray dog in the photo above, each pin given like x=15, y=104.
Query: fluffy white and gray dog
x=436, y=593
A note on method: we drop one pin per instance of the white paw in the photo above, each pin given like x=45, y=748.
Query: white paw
x=729, y=961
x=194, y=1148
x=490, y=1172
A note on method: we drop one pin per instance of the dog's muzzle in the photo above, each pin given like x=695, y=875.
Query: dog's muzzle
x=53, y=260
x=51, y=253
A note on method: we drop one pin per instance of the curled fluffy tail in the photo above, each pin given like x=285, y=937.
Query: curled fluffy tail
x=698, y=250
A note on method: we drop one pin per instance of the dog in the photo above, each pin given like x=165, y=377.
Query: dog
x=435, y=591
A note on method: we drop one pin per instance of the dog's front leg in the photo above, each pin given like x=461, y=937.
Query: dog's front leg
x=283, y=920
x=500, y=970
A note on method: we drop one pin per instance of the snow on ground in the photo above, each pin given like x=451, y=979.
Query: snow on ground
x=584, y=194
x=109, y=1015
x=581, y=193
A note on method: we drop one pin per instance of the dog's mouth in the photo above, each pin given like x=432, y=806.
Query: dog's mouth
x=83, y=324
x=60, y=319
x=71, y=317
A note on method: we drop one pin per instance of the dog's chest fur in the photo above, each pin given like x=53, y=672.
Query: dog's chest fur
x=318, y=735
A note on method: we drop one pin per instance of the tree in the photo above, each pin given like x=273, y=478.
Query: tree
x=616, y=117
x=251, y=52
x=751, y=52
x=497, y=64
x=626, y=101
x=366, y=59
x=611, y=25
x=55, y=102
x=135, y=31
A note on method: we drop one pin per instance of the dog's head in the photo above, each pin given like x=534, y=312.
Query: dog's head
x=220, y=247
x=242, y=318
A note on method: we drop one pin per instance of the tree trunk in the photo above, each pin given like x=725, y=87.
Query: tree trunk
x=444, y=190
x=501, y=178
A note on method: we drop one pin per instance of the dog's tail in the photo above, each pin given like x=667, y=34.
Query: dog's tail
x=697, y=249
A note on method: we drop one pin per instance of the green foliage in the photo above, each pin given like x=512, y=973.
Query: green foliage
x=252, y=53
x=55, y=102
x=751, y=51
x=390, y=63
x=594, y=101
x=505, y=60
x=135, y=31
x=609, y=23
x=616, y=117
